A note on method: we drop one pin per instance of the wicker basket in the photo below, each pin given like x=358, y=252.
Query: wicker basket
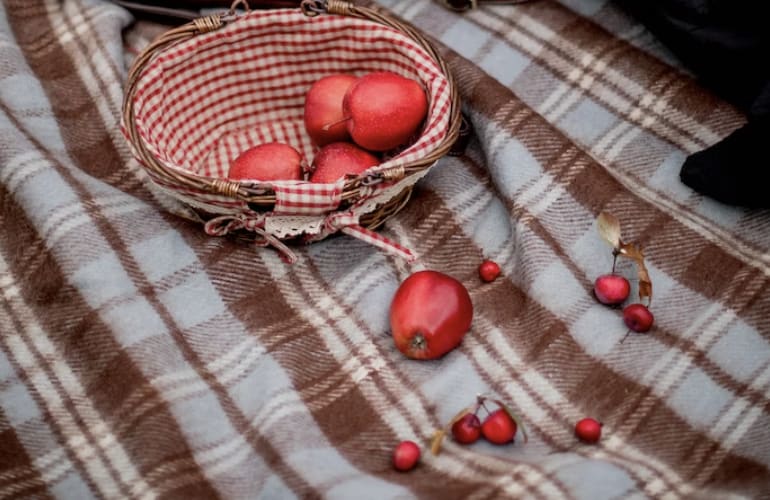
x=203, y=92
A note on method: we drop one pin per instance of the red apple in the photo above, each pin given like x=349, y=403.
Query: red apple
x=430, y=314
x=638, y=318
x=499, y=427
x=611, y=289
x=489, y=270
x=406, y=455
x=338, y=159
x=384, y=110
x=467, y=429
x=324, y=120
x=271, y=161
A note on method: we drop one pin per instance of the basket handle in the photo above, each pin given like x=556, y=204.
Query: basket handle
x=173, y=11
x=354, y=187
x=312, y=8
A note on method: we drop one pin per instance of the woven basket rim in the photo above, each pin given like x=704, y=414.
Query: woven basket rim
x=262, y=195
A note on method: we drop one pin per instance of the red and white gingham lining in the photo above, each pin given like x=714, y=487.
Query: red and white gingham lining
x=305, y=198
x=204, y=100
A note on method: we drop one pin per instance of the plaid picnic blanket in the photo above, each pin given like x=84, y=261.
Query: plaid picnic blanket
x=142, y=358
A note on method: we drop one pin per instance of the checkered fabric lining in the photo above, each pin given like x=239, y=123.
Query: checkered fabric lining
x=208, y=98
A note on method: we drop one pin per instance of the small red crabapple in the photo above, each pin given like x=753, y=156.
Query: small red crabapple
x=638, y=318
x=499, y=427
x=489, y=271
x=588, y=430
x=467, y=429
x=406, y=455
x=611, y=289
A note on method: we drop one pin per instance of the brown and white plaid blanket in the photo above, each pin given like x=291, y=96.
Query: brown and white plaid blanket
x=140, y=358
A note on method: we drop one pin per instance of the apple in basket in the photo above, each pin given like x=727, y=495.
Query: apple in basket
x=384, y=110
x=338, y=159
x=323, y=116
x=271, y=161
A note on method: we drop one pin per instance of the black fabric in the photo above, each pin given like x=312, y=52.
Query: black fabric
x=736, y=170
x=726, y=44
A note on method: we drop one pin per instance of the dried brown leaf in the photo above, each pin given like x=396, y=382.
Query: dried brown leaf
x=636, y=253
x=435, y=442
x=632, y=251
x=439, y=435
x=645, y=283
x=609, y=229
x=460, y=414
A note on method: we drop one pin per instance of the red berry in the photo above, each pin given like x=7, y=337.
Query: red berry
x=489, y=270
x=406, y=455
x=611, y=289
x=588, y=430
x=638, y=318
x=467, y=429
x=499, y=427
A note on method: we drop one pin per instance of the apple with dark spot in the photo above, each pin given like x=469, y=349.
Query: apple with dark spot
x=338, y=159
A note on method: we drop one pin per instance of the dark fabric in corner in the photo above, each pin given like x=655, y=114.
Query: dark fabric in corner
x=726, y=43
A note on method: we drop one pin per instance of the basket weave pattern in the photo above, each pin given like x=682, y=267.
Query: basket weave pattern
x=203, y=93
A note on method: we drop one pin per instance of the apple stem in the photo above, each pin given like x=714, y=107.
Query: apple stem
x=615, y=253
x=624, y=336
x=326, y=127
